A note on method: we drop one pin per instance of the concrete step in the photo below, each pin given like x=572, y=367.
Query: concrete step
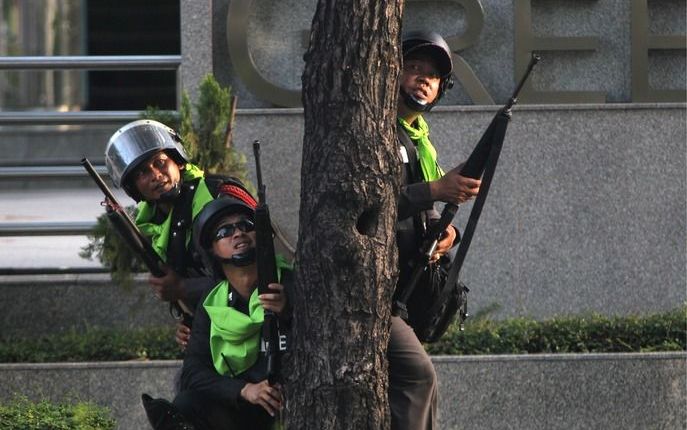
x=68, y=204
x=548, y=392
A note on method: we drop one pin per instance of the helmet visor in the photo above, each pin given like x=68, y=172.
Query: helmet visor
x=441, y=57
x=134, y=143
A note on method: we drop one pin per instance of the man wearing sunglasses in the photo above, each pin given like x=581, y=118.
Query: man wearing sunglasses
x=224, y=377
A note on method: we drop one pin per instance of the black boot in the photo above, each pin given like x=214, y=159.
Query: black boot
x=163, y=415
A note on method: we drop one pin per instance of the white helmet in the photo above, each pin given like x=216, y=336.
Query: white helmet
x=133, y=144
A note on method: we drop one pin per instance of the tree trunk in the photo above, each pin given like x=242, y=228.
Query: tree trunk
x=346, y=260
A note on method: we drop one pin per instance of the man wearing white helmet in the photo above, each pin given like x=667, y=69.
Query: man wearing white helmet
x=425, y=77
x=147, y=160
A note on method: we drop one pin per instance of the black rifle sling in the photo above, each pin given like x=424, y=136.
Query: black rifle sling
x=498, y=133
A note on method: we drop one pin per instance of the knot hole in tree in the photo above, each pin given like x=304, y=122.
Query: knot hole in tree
x=367, y=221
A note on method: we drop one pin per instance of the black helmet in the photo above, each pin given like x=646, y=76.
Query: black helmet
x=432, y=44
x=136, y=142
x=233, y=198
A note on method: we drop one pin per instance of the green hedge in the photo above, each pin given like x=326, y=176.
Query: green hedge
x=92, y=345
x=665, y=331
x=22, y=414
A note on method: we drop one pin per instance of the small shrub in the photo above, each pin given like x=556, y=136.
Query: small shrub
x=112, y=251
x=22, y=414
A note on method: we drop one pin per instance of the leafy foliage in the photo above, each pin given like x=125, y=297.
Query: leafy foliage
x=22, y=414
x=111, y=250
x=213, y=113
x=568, y=334
x=204, y=129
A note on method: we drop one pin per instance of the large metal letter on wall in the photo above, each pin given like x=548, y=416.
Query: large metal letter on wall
x=526, y=42
x=474, y=18
x=237, y=41
x=642, y=43
x=238, y=15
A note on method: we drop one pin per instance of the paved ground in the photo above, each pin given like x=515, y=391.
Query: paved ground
x=64, y=205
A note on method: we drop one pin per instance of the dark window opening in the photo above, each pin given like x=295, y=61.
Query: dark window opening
x=132, y=27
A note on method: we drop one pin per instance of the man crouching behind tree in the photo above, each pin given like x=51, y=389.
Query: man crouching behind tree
x=224, y=377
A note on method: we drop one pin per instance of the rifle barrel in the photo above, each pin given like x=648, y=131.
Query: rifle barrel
x=97, y=179
x=132, y=236
x=534, y=59
x=258, y=172
x=267, y=271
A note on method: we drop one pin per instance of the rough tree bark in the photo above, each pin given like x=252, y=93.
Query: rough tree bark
x=346, y=259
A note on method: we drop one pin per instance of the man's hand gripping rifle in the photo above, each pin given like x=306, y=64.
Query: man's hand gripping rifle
x=127, y=229
x=482, y=161
x=267, y=272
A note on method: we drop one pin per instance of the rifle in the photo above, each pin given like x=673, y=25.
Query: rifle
x=127, y=230
x=267, y=272
x=482, y=161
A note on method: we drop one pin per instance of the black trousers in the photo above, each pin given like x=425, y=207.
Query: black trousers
x=208, y=414
x=412, y=381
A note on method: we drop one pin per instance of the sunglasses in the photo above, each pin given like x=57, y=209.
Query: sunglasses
x=228, y=230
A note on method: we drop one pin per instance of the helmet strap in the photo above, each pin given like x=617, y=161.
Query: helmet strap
x=171, y=195
x=415, y=104
x=239, y=260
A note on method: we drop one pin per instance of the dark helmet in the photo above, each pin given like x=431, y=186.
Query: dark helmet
x=432, y=44
x=233, y=198
x=136, y=142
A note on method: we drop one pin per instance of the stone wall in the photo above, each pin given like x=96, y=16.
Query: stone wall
x=586, y=211
x=547, y=392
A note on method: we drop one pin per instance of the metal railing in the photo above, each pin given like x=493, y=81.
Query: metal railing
x=67, y=118
x=92, y=62
x=47, y=171
x=66, y=228
x=26, y=172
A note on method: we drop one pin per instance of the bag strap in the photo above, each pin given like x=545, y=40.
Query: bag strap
x=414, y=175
x=413, y=164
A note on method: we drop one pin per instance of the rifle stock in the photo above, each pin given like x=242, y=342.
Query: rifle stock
x=267, y=272
x=130, y=233
x=487, y=149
